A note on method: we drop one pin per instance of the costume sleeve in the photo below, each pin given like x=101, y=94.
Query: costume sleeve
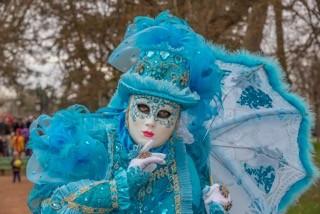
x=105, y=196
x=69, y=146
x=88, y=196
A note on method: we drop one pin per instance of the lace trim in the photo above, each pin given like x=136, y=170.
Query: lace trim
x=69, y=201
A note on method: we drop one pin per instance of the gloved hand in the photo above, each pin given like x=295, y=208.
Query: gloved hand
x=148, y=164
x=146, y=160
x=217, y=199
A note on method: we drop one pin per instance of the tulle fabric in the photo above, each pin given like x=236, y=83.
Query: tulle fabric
x=64, y=149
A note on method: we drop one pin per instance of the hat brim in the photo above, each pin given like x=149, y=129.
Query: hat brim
x=130, y=84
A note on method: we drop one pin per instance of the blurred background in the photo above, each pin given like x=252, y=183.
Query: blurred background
x=53, y=54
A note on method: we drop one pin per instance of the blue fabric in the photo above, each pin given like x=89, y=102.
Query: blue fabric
x=215, y=208
x=163, y=65
x=263, y=176
x=255, y=98
x=166, y=33
x=100, y=196
x=64, y=149
x=124, y=137
x=71, y=145
x=173, y=35
x=39, y=193
x=275, y=78
x=160, y=199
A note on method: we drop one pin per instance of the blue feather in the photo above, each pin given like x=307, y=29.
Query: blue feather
x=276, y=80
x=65, y=149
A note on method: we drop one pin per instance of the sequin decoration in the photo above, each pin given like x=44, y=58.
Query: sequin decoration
x=163, y=65
x=263, y=176
x=155, y=105
x=254, y=98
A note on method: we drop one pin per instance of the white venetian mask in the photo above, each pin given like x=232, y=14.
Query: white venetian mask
x=151, y=119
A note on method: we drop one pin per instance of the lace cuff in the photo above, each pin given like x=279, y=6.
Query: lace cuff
x=88, y=196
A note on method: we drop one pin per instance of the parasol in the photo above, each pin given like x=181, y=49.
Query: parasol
x=260, y=147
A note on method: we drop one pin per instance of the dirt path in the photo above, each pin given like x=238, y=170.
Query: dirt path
x=13, y=197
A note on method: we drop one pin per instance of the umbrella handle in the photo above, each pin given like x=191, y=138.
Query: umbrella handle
x=211, y=180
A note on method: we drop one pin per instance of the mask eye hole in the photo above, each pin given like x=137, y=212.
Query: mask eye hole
x=164, y=114
x=143, y=108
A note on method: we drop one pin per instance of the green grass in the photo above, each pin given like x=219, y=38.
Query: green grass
x=309, y=203
x=5, y=165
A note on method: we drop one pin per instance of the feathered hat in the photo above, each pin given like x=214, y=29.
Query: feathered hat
x=164, y=57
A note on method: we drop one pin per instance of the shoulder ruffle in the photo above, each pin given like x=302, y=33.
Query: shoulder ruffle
x=67, y=146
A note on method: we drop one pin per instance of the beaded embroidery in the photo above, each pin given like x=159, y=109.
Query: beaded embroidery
x=163, y=65
x=83, y=208
x=169, y=171
x=155, y=104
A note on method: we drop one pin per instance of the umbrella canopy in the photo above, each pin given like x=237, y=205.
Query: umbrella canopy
x=260, y=139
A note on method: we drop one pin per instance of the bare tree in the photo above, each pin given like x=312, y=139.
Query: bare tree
x=280, y=53
x=80, y=35
x=12, y=42
x=255, y=25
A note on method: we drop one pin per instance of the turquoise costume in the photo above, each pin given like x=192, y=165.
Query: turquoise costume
x=80, y=160
x=238, y=124
x=121, y=190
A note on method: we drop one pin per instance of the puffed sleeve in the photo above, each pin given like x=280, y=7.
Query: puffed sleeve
x=105, y=196
x=69, y=146
x=87, y=196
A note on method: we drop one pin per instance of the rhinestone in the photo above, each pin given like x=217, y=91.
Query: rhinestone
x=116, y=166
x=150, y=54
x=164, y=55
x=178, y=59
x=55, y=205
x=164, y=211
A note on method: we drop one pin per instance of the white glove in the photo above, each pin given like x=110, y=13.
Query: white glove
x=216, y=194
x=148, y=164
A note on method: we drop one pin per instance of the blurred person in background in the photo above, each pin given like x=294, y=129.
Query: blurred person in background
x=18, y=142
x=11, y=140
x=4, y=128
x=4, y=132
x=2, y=146
x=25, y=133
x=18, y=124
x=16, y=165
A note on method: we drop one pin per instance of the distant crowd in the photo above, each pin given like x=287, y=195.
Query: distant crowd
x=14, y=136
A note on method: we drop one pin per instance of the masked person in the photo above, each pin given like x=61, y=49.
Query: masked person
x=144, y=152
